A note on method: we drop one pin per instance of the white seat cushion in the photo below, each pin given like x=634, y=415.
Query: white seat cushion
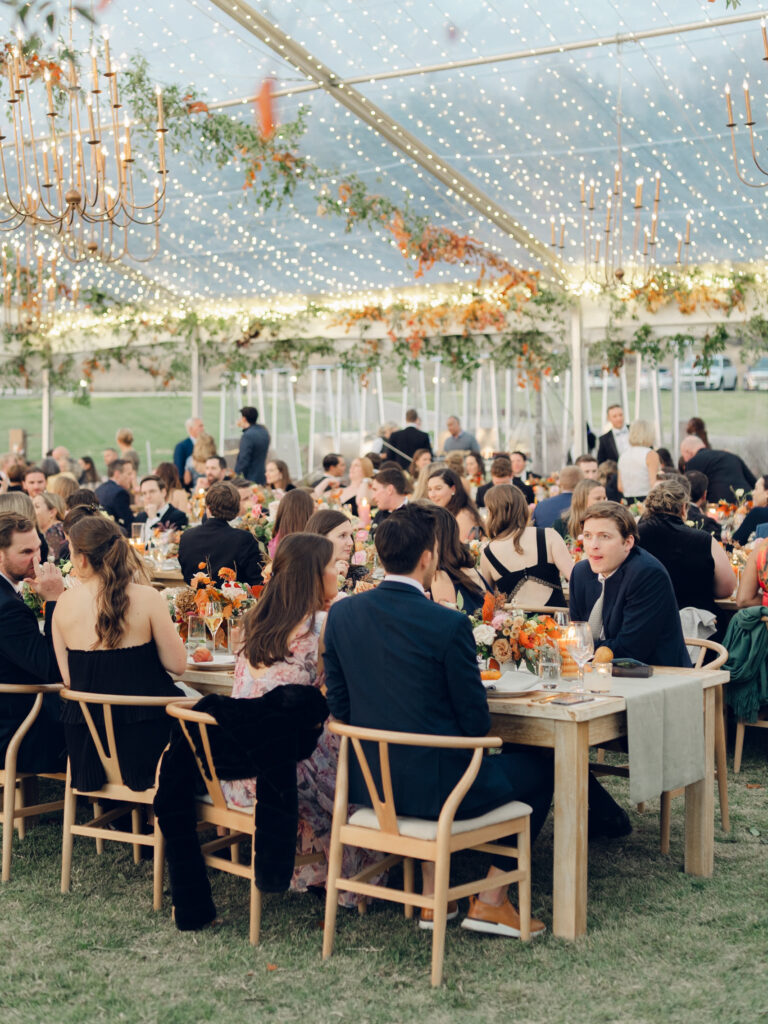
x=421, y=828
x=206, y=799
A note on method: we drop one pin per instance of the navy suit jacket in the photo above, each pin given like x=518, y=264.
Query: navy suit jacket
x=395, y=660
x=640, y=614
x=117, y=501
x=252, y=454
x=26, y=656
x=181, y=453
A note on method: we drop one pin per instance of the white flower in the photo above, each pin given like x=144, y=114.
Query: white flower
x=231, y=590
x=484, y=634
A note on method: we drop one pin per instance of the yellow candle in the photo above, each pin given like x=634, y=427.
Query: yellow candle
x=728, y=104
x=748, y=104
x=638, y=193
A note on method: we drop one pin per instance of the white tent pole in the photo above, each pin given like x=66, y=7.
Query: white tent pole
x=312, y=418
x=604, y=401
x=294, y=422
x=275, y=380
x=504, y=443
x=380, y=395
x=423, y=397
x=494, y=406
x=363, y=411
x=222, y=416
x=656, y=404
x=438, y=371
x=478, y=399
x=260, y=396
x=46, y=434
x=194, y=365
x=675, y=406
x=544, y=424
x=333, y=430
x=638, y=374
x=577, y=381
x=249, y=389
x=404, y=402
x=566, y=414
x=624, y=391
x=339, y=407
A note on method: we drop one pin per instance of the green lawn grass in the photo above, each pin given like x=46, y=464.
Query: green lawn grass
x=662, y=945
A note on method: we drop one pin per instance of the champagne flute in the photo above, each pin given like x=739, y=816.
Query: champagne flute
x=213, y=618
x=581, y=647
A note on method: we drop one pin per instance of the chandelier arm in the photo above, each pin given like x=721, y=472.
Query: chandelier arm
x=754, y=155
x=743, y=180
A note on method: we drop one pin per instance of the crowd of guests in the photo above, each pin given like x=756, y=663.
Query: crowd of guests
x=447, y=532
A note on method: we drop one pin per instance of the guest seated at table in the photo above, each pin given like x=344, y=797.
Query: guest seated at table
x=585, y=493
x=278, y=477
x=608, y=475
x=26, y=654
x=753, y=585
x=83, y=496
x=114, y=636
x=421, y=675
x=548, y=511
x=203, y=449
x=282, y=635
x=474, y=470
x=359, y=486
x=625, y=593
x=50, y=511
x=389, y=492
x=158, y=511
x=330, y=523
x=697, y=506
x=174, y=491
x=216, y=544
x=421, y=457
x=524, y=562
x=115, y=495
x=292, y=516
x=455, y=462
x=446, y=489
x=697, y=565
x=456, y=576
x=757, y=515
x=334, y=468
x=501, y=473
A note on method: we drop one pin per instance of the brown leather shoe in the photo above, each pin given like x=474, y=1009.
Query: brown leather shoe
x=501, y=920
x=427, y=917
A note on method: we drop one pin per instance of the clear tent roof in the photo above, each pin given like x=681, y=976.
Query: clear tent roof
x=521, y=130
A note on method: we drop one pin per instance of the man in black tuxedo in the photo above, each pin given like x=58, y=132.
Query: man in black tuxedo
x=638, y=615
x=26, y=655
x=725, y=472
x=613, y=442
x=389, y=491
x=157, y=509
x=218, y=545
x=395, y=660
x=114, y=495
x=401, y=444
x=696, y=514
x=501, y=473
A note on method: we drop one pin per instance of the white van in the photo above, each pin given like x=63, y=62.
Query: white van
x=722, y=375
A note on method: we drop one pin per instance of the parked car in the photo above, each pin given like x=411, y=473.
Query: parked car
x=756, y=377
x=721, y=375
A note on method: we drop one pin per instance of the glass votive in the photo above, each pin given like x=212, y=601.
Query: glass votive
x=600, y=681
x=549, y=666
x=197, y=634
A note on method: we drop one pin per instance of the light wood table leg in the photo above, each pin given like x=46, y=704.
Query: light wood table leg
x=569, y=887
x=700, y=803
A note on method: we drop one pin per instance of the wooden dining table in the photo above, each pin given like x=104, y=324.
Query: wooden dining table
x=570, y=731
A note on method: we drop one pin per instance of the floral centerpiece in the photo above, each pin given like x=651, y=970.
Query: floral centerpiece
x=235, y=599
x=258, y=524
x=502, y=636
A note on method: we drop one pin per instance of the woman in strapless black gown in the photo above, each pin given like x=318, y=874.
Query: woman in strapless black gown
x=114, y=636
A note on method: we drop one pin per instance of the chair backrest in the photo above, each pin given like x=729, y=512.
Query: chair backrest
x=533, y=609
x=384, y=805
x=704, y=646
x=108, y=755
x=36, y=690
x=187, y=717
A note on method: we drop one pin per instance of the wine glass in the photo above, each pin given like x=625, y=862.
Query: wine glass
x=213, y=618
x=581, y=647
x=561, y=619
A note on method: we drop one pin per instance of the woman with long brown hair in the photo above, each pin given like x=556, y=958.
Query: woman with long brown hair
x=585, y=493
x=292, y=516
x=524, y=562
x=282, y=637
x=174, y=491
x=446, y=488
x=456, y=577
x=337, y=527
x=112, y=635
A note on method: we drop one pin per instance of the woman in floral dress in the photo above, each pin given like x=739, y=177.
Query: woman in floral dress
x=282, y=636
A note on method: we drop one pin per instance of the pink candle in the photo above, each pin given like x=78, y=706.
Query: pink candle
x=364, y=512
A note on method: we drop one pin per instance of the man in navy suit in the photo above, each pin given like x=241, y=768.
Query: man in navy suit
x=395, y=660
x=639, y=617
x=26, y=655
x=114, y=495
x=183, y=449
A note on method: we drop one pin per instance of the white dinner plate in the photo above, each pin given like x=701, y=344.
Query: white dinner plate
x=222, y=662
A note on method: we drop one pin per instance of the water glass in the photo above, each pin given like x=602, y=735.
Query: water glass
x=581, y=647
x=549, y=666
x=602, y=671
x=196, y=633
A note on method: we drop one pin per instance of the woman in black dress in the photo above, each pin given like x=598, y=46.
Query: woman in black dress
x=457, y=581
x=114, y=636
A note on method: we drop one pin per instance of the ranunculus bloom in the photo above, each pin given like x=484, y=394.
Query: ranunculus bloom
x=484, y=634
x=501, y=650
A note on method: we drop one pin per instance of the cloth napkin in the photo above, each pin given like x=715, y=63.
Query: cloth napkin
x=665, y=733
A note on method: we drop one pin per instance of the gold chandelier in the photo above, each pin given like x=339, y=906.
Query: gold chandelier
x=749, y=123
x=33, y=288
x=77, y=175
